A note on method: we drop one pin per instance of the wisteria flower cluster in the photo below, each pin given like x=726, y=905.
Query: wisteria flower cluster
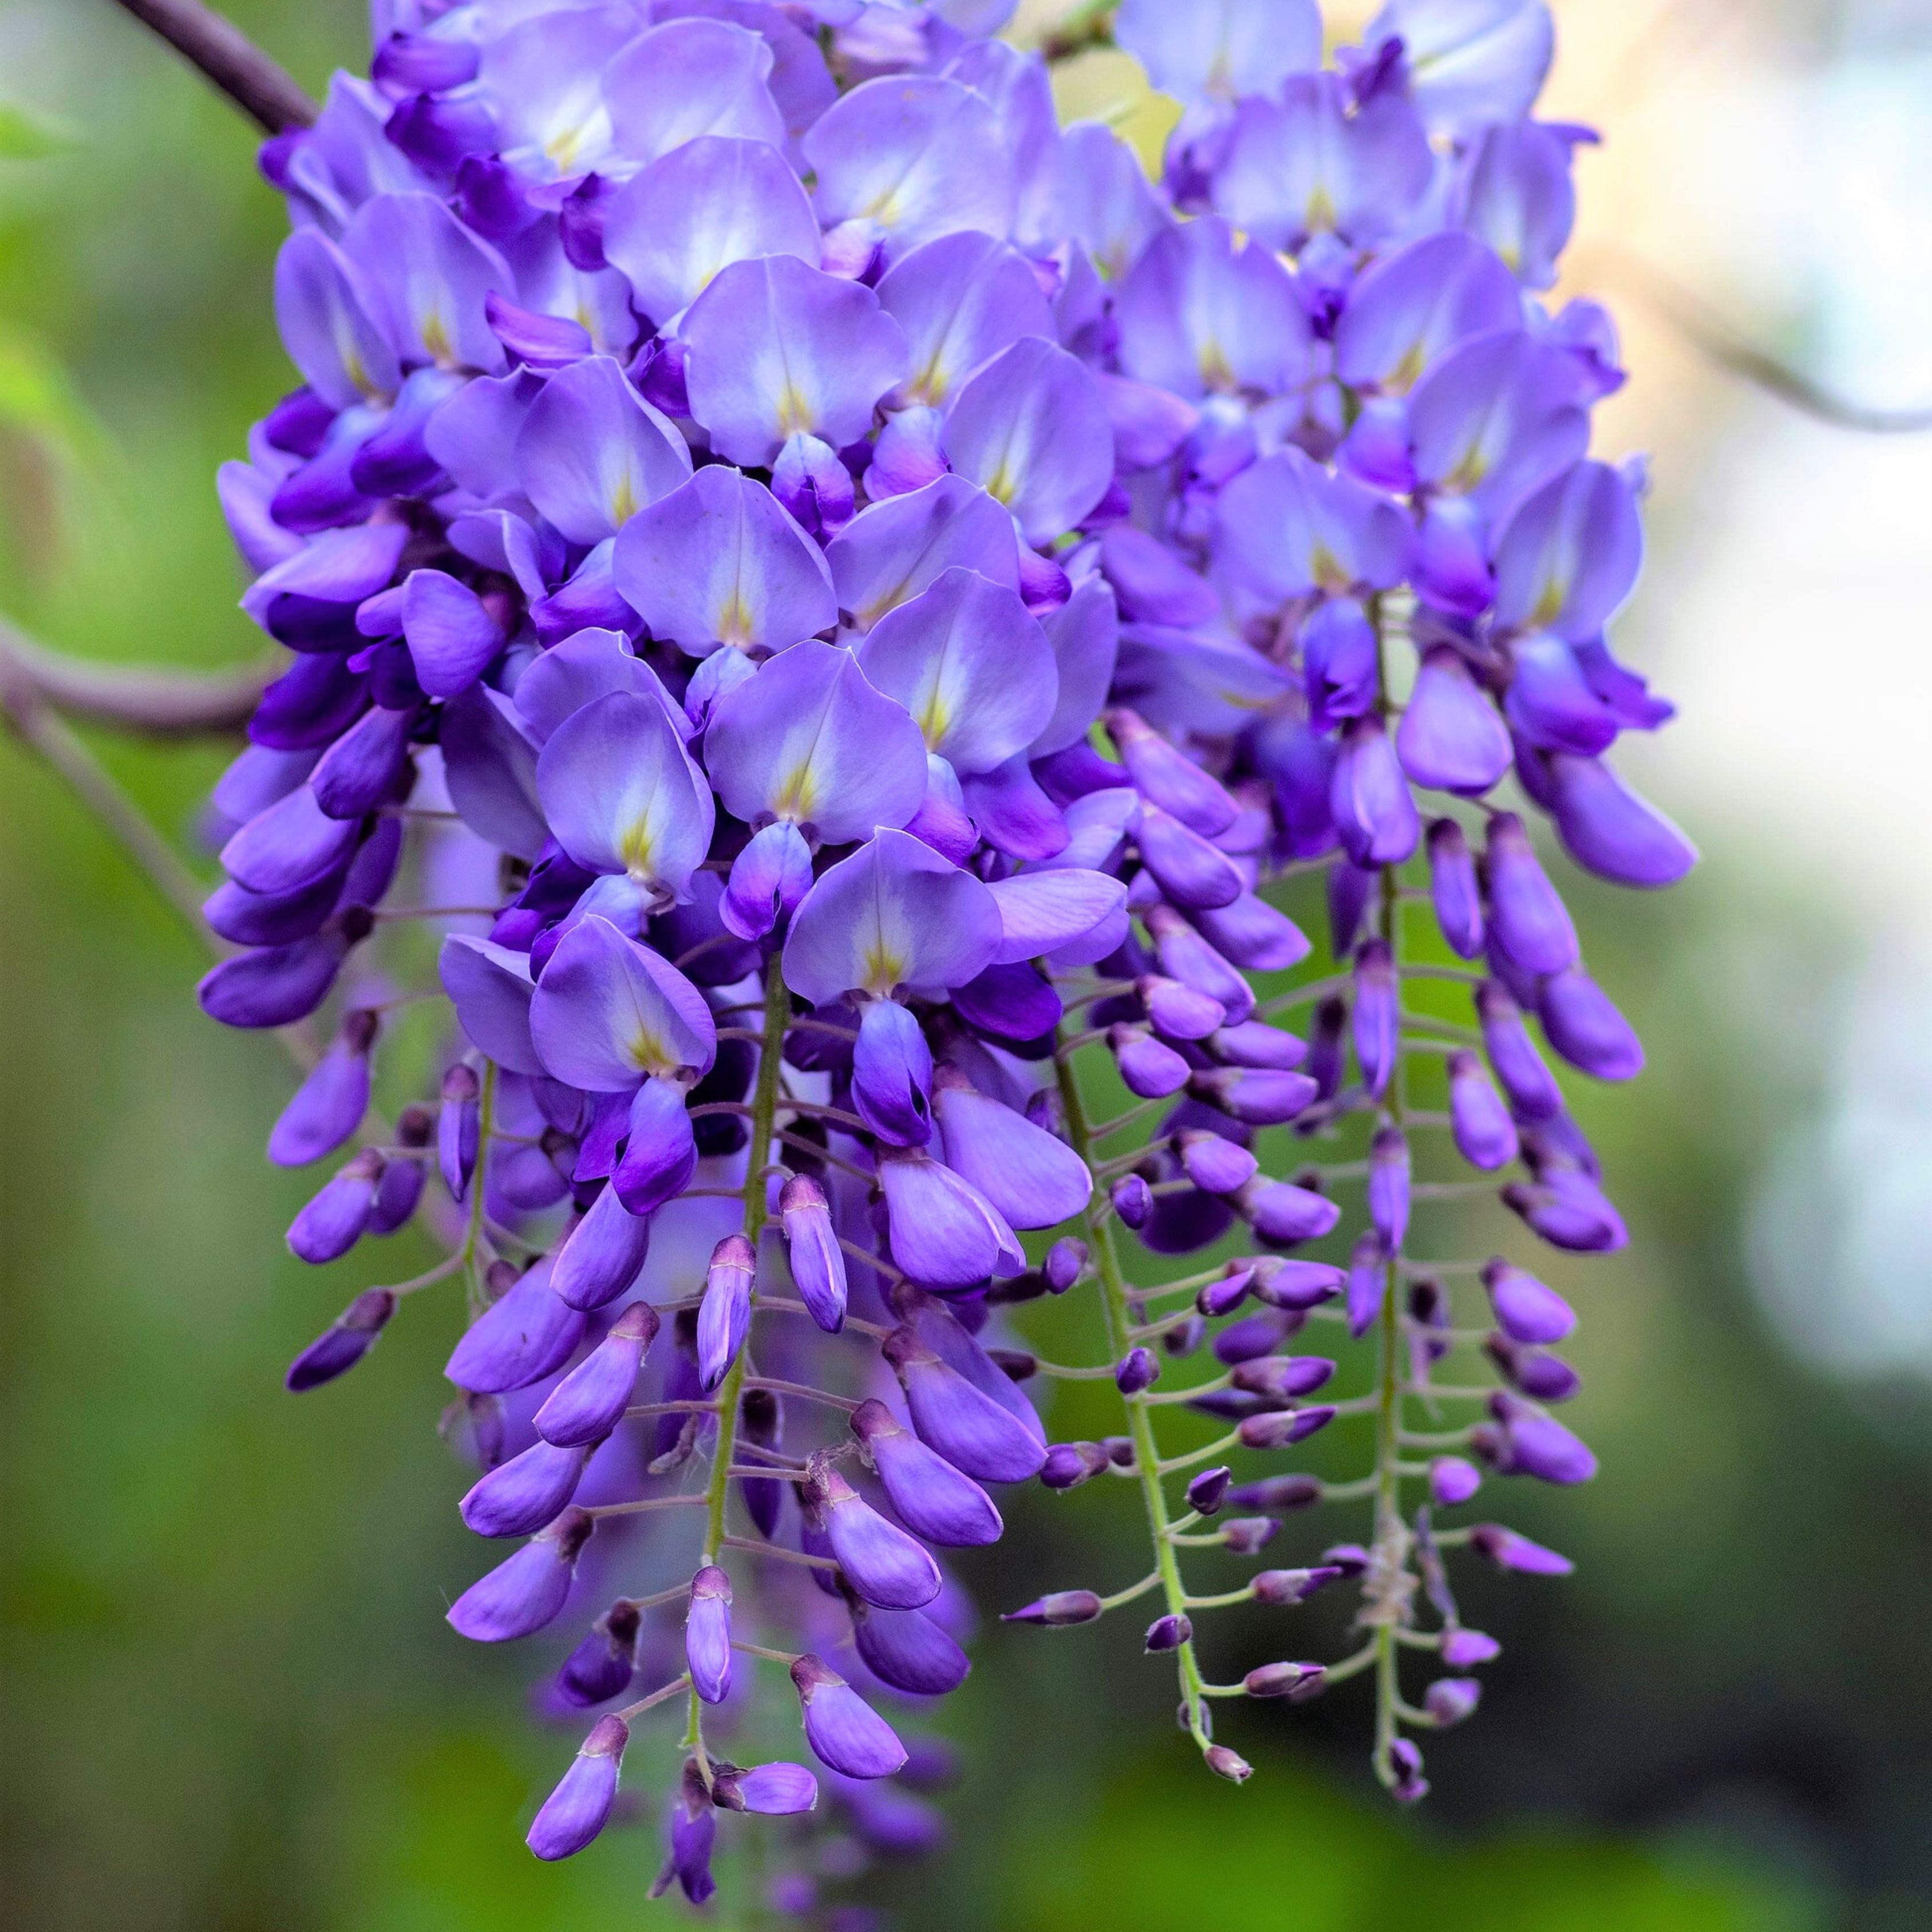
x=837, y=595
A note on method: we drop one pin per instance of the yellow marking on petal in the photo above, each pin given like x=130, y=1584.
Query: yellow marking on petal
x=1549, y=601
x=795, y=411
x=638, y=850
x=884, y=968
x=795, y=798
x=935, y=718
x=1319, y=216
x=646, y=1051
x=1470, y=472
x=1215, y=370
x=624, y=504
x=1408, y=369
x=435, y=340
x=733, y=624
x=562, y=149
x=1003, y=484
x=1326, y=567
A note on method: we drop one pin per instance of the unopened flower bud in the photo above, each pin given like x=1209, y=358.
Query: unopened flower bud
x=1133, y=1200
x=1057, y=1608
x=1206, y=1491
x=1449, y=1699
x=1168, y=1633
x=1245, y=1535
x=1292, y=1586
x=1230, y=1765
x=1297, y=1681
x=1068, y=1464
x=1137, y=1369
x=1066, y=1261
x=342, y=1344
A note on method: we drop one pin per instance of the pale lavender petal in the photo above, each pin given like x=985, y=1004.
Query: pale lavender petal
x=776, y=347
x=960, y=300
x=491, y=987
x=1217, y=49
x=688, y=78
x=325, y=312
x=428, y=275
x=591, y=452
x=893, y=550
x=608, y=1012
x=720, y=561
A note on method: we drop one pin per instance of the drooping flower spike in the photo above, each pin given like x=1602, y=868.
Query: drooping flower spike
x=871, y=593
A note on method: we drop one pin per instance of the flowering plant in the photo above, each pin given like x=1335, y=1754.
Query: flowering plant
x=843, y=597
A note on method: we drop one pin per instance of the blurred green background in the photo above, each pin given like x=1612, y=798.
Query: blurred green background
x=230, y=1703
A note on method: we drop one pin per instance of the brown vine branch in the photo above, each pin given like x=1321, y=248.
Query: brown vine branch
x=1711, y=336
x=149, y=700
x=258, y=85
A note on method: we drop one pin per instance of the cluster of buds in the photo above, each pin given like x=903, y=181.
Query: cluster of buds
x=840, y=597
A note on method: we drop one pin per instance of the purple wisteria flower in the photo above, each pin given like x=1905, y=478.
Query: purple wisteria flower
x=847, y=604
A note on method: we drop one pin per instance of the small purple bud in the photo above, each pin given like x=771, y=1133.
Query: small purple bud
x=1068, y=1464
x=1527, y=1444
x=526, y=1590
x=526, y=1334
x=1410, y=1786
x=1246, y=1340
x=1277, y=1494
x=1296, y=1285
x=933, y=1498
x=1284, y=1214
x=892, y=1075
x=662, y=1151
x=774, y=1790
x=969, y=1427
x=336, y=1219
x=1298, y=1681
x=1058, y=1607
x=1132, y=1199
x=1525, y=1310
x=908, y=1650
x=400, y=1189
x=329, y=1106
x=574, y=1813
x=1168, y=777
x=1065, y=1262
x=1569, y=1210
x=1178, y=1011
x=1388, y=1187
x=1190, y=871
x=1247, y=1535
x=1228, y=1764
x=1544, y=1377
x=1255, y=1043
x=601, y=1666
x=1584, y=1026
x=1485, y=1136
x=525, y=1493
x=762, y=1418
x=1120, y=1451
x=1283, y=1377
x=1533, y=1093
x=1137, y=1369
x=1292, y=1586
x=1215, y=1165
x=456, y=1129
x=1151, y=1069
x=1348, y=889
x=1527, y=918
x=1452, y=885
x=1463, y=1647
x=590, y=1401
x=1185, y=955
x=1328, y=1024
x=1208, y=1490
x=1374, y=1020
x=725, y=1313
x=885, y=1565
x=343, y=1343
x=1449, y=1699
x=1169, y=1633
x=1452, y=1480
x=693, y=1828
x=1507, y=1550
x=1368, y=1283
x=1370, y=799
x=843, y=1730
x=1223, y=1297
x=1186, y=1336
x=811, y=481
x=1281, y=1430
x=600, y=1257
x=707, y=1634
x=1259, y=1098
x=817, y=1261
x=1350, y=1559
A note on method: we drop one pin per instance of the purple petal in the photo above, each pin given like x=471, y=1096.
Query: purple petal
x=491, y=770
x=893, y=550
x=608, y=1011
x=574, y=1813
x=918, y=157
x=808, y=740
x=525, y=1493
x=689, y=78
x=1030, y=1176
x=325, y=310
x=719, y=561
x=971, y=665
x=881, y=1562
x=1221, y=50
x=935, y=1500
x=1450, y=736
x=960, y=300
x=1031, y=427
x=1414, y=305
x=776, y=347
x=622, y=795
x=591, y=452
x=599, y=1260
x=526, y=1590
x=429, y=275
x=845, y=1732
x=451, y=635
x=895, y=913
x=672, y=227
x=944, y=1233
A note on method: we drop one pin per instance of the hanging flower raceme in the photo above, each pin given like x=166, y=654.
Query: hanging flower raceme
x=842, y=601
